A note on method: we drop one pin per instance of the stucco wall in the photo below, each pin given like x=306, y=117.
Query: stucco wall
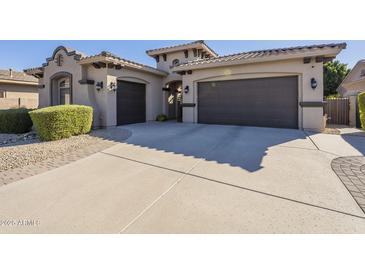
x=153, y=91
x=166, y=65
x=354, y=82
x=98, y=99
x=20, y=91
x=353, y=88
x=81, y=94
x=103, y=101
x=352, y=111
x=69, y=65
x=19, y=96
x=308, y=118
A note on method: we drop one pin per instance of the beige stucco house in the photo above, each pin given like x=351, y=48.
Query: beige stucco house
x=18, y=89
x=354, y=82
x=192, y=84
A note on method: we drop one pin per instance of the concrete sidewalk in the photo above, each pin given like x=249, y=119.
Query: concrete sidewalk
x=189, y=178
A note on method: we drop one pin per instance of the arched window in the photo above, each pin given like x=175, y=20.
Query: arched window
x=64, y=91
x=175, y=62
x=64, y=83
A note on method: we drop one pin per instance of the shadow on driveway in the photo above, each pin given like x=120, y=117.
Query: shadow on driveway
x=355, y=140
x=237, y=146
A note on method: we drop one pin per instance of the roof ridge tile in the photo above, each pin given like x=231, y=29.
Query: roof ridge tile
x=260, y=53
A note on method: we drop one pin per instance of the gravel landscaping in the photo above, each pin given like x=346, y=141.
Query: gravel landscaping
x=20, y=155
x=11, y=139
x=26, y=149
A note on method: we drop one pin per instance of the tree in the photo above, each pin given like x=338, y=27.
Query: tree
x=334, y=73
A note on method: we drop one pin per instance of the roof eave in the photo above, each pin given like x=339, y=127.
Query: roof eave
x=202, y=45
x=149, y=70
x=344, y=81
x=348, y=85
x=207, y=48
x=328, y=52
x=90, y=60
x=17, y=82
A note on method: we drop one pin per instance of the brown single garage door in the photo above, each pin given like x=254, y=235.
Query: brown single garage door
x=131, y=103
x=264, y=102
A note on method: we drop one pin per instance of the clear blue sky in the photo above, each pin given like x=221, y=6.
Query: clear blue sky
x=24, y=54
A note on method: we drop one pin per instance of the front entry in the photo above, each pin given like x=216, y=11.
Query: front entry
x=173, y=100
x=61, y=89
x=131, y=103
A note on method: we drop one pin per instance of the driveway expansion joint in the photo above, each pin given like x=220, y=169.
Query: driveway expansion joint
x=188, y=173
x=351, y=171
x=184, y=174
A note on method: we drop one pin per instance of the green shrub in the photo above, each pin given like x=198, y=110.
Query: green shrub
x=15, y=121
x=58, y=122
x=333, y=96
x=161, y=118
x=361, y=103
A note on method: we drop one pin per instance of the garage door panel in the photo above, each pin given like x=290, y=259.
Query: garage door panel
x=271, y=102
x=131, y=103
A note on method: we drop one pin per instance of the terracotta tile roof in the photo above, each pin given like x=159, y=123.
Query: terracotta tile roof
x=259, y=53
x=198, y=42
x=123, y=61
x=71, y=51
x=11, y=75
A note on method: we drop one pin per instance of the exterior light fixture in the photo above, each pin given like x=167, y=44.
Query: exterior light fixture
x=313, y=83
x=113, y=86
x=99, y=85
x=186, y=89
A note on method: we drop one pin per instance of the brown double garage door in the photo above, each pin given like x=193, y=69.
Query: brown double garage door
x=264, y=102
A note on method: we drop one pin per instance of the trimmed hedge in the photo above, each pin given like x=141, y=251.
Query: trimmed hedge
x=161, y=118
x=58, y=122
x=15, y=121
x=361, y=102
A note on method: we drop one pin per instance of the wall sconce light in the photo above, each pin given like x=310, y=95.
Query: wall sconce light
x=313, y=83
x=99, y=85
x=186, y=89
x=112, y=86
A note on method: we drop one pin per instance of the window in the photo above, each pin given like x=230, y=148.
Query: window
x=195, y=52
x=64, y=83
x=175, y=62
x=362, y=73
x=65, y=91
x=2, y=94
x=59, y=60
x=186, y=53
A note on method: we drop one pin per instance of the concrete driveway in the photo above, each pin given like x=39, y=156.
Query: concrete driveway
x=192, y=178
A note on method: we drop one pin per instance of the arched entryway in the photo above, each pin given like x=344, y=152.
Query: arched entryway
x=61, y=88
x=173, y=100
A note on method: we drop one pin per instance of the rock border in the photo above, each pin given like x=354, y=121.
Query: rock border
x=108, y=138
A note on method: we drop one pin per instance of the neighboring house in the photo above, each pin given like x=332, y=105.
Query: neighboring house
x=351, y=86
x=191, y=83
x=18, y=89
x=354, y=82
